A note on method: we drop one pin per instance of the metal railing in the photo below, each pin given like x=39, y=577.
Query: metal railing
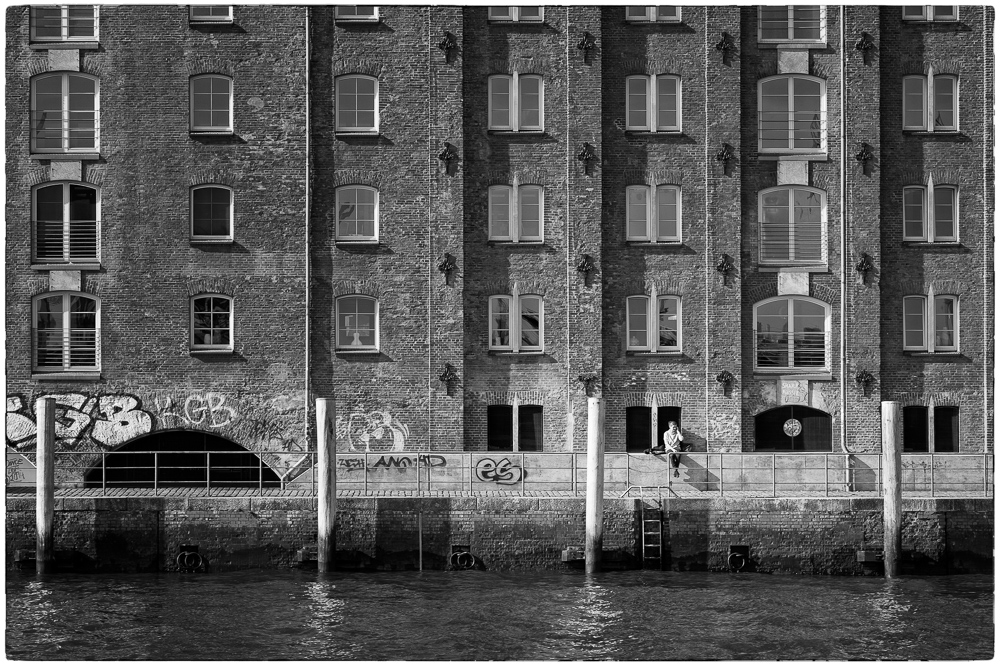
x=766, y=475
x=66, y=241
x=67, y=348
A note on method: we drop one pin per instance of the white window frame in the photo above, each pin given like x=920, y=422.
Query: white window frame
x=792, y=369
x=357, y=238
x=513, y=14
x=790, y=34
x=66, y=233
x=64, y=25
x=362, y=348
x=791, y=260
x=652, y=232
x=344, y=13
x=514, y=106
x=67, y=365
x=652, y=323
x=356, y=129
x=928, y=313
x=515, y=231
x=926, y=13
x=194, y=17
x=65, y=131
x=212, y=129
x=789, y=148
x=928, y=212
x=928, y=102
x=217, y=238
x=651, y=14
x=196, y=346
x=652, y=105
x=514, y=310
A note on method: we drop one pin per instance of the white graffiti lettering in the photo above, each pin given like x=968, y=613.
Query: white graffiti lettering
x=375, y=431
x=208, y=409
x=106, y=420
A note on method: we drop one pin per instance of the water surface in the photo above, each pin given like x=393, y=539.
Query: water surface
x=635, y=615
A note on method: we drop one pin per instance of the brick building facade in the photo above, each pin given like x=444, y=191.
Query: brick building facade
x=458, y=221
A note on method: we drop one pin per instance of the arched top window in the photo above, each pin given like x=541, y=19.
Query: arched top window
x=792, y=114
x=792, y=334
x=357, y=324
x=211, y=103
x=357, y=214
x=212, y=323
x=356, y=103
x=65, y=218
x=211, y=213
x=66, y=332
x=64, y=113
x=792, y=226
x=793, y=428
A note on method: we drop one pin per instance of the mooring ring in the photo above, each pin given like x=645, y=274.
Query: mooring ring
x=737, y=561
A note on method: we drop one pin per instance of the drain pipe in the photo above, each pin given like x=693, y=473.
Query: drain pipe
x=595, y=484
x=45, y=415
x=843, y=237
x=892, y=498
x=326, y=494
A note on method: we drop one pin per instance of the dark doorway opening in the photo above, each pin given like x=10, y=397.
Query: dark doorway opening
x=793, y=428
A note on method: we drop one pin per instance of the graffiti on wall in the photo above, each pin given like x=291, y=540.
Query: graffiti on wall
x=424, y=461
x=374, y=431
x=200, y=410
x=20, y=471
x=107, y=421
x=501, y=472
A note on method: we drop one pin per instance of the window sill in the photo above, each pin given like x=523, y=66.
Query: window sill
x=502, y=132
x=939, y=245
x=358, y=352
x=532, y=243
x=646, y=243
x=83, y=45
x=357, y=133
x=792, y=375
x=935, y=354
x=66, y=376
x=655, y=22
x=507, y=352
x=365, y=19
x=656, y=353
x=354, y=243
x=788, y=155
x=210, y=21
x=228, y=132
x=211, y=241
x=806, y=268
x=647, y=132
x=65, y=157
x=793, y=44
x=514, y=22
x=921, y=132
x=66, y=267
x=198, y=352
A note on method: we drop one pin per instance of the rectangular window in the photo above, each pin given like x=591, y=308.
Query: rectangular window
x=522, y=14
x=792, y=333
x=929, y=213
x=930, y=12
x=946, y=429
x=791, y=23
x=660, y=13
x=516, y=323
x=792, y=226
x=357, y=103
x=653, y=103
x=212, y=323
x=529, y=428
x=659, y=331
x=500, y=428
x=65, y=113
x=356, y=13
x=66, y=223
x=211, y=103
x=653, y=214
x=516, y=102
x=357, y=323
x=516, y=214
x=930, y=103
x=211, y=213
x=64, y=23
x=357, y=214
x=915, y=429
x=918, y=335
x=211, y=14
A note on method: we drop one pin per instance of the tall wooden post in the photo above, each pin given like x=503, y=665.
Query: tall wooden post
x=45, y=451
x=892, y=495
x=595, y=484
x=326, y=487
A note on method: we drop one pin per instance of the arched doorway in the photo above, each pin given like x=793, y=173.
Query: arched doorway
x=793, y=428
x=176, y=458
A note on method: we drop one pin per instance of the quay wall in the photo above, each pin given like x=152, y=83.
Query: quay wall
x=815, y=536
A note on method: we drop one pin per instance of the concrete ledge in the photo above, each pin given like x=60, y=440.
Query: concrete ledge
x=507, y=504
x=217, y=504
x=564, y=505
x=285, y=504
x=355, y=504
x=20, y=503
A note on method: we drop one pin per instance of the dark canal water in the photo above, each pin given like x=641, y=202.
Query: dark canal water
x=638, y=615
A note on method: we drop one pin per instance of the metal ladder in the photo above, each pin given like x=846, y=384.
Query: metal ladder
x=652, y=535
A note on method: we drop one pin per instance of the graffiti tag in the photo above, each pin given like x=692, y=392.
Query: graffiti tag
x=393, y=462
x=20, y=471
x=373, y=432
x=106, y=420
x=502, y=472
x=207, y=409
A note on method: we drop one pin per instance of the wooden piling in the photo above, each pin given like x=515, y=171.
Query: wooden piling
x=892, y=496
x=326, y=487
x=45, y=417
x=595, y=484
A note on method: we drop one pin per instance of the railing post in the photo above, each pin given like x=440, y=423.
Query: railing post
x=826, y=473
x=522, y=474
x=208, y=473
x=156, y=473
x=260, y=473
x=931, y=456
x=722, y=476
x=986, y=475
x=365, y=454
x=45, y=502
x=104, y=473
x=774, y=477
x=418, y=473
x=471, y=472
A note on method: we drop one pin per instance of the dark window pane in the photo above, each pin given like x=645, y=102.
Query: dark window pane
x=915, y=429
x=793, y=428
x=499, y=428
x=82, y=203
x=946, y=429
x=637, y=428
x=529, y=436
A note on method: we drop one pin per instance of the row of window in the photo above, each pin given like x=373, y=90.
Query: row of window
x=792, y=108
x=66, y=218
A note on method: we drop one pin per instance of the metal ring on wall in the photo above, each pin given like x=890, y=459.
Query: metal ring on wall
x=189, y=561
x=737, y=561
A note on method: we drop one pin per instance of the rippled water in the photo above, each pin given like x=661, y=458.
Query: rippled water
x=487, y=615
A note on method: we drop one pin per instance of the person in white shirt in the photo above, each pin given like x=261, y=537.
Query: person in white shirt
x=672, y=439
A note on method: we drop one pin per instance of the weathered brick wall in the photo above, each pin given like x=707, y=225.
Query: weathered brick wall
x=784, y=536
x=149, y=267
x=963, y=269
